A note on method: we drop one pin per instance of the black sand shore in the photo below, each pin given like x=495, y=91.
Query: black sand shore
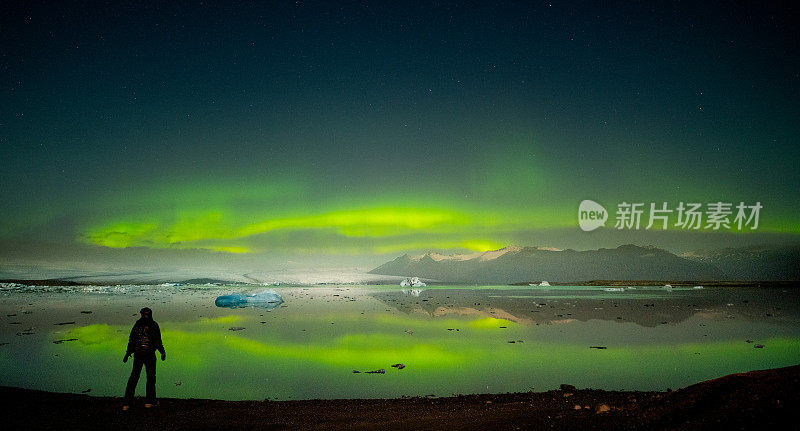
x=755, y=400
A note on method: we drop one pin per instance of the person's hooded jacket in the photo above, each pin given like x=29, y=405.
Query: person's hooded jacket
x=145, y=337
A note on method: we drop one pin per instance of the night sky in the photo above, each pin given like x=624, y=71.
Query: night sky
x=364, y=130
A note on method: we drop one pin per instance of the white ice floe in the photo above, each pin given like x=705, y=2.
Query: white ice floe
x=412, y=282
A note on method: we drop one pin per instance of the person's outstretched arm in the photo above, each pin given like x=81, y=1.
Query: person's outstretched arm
x=159, y=345
x=129, y=350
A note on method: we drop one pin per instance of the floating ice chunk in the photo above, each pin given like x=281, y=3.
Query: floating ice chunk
x=267, y=299
x=232, y=301
x=412, y=282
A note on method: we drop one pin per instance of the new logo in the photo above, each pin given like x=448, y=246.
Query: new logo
x=591, y=215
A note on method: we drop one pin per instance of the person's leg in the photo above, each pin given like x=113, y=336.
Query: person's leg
x=150, y=371
x=133, y=379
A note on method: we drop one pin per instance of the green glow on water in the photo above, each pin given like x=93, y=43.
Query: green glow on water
x=437, y=360
x=450, y=341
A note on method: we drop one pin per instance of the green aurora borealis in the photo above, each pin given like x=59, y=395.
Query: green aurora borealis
x=372, y=130
x=243, y=217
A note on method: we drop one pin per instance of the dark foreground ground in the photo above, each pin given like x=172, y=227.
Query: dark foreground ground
x=756, y=400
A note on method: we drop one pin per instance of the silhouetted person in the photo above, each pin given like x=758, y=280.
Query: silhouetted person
x=143, y=342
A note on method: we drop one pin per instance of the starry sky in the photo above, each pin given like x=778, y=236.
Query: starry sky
x=360, y=131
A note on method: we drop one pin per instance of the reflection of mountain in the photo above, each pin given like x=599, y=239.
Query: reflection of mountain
x=544, y=310
x=648, y=307
x=516, y=264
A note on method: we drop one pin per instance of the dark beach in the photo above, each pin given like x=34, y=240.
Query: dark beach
x=754, y=400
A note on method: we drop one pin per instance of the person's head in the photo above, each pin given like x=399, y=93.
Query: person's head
x=146, y=313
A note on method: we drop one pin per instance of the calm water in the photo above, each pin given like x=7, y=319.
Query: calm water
x=452, y=340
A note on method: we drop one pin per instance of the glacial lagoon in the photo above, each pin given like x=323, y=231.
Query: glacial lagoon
x=348, y=341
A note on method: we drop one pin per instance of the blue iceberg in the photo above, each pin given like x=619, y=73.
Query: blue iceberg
x=267, y=299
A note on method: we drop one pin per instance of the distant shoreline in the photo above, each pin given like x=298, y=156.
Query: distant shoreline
x=676, y=283
x=754, y=400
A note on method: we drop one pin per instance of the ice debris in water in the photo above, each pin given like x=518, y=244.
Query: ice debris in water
x=412, y=282
x=267, y=299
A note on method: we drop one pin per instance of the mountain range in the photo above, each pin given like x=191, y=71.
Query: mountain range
x=626, y=262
